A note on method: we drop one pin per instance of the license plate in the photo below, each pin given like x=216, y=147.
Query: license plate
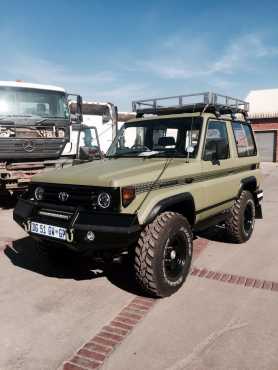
x=48, y=230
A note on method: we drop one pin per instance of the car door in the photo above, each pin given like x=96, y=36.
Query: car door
x=217, y=165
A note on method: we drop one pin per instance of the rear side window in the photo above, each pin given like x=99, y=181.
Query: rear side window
x=244, y=138
x=216, y=141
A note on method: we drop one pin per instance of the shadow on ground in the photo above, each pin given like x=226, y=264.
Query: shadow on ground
x=27, y=254
x=7, y=201
x=215, y=233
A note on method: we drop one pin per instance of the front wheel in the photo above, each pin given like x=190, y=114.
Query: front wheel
x=163, y=254
x=241, y=218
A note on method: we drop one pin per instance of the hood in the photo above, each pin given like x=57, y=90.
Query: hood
x=106, y=172
x=117, y=172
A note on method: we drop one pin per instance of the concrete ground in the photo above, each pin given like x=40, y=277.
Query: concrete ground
x=49, y=308
x=214, y=325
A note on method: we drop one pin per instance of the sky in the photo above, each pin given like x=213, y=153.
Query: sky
x=119, y=51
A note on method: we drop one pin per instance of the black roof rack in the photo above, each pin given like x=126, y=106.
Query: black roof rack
x=201, y=102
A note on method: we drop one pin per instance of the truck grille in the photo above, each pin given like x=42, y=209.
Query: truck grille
x=76, y=195
x=31, y=148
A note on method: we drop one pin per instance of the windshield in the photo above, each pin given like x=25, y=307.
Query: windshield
x=25, y=102
x=158, y=137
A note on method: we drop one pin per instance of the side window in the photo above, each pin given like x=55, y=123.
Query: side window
x=244, y=139
x=217, y=142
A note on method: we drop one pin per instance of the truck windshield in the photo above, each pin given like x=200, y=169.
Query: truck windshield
x=158, y=137
x=26, y=102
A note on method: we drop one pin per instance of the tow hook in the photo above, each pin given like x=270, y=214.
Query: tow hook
x=27, y=226
x=69, y=236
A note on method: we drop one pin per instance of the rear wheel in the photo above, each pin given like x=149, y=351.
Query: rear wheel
x=241, y=218
x=163, y=254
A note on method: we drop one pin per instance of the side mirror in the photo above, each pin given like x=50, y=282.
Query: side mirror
x=79, y=114
x=88, y=143
x=88, y=154
x=75, y=104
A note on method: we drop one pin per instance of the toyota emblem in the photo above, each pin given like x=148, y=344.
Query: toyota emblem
x=28, y=146
x=63, y=196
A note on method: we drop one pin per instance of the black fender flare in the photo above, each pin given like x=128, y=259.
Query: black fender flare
x=248, y=183
x=173, y=200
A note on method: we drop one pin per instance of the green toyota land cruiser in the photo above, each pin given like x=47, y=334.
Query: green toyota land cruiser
x=183, y=164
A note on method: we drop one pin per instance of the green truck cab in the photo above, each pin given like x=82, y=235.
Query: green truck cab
x=173, y=170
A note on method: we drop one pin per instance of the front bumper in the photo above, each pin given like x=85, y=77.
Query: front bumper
x=112, y=231
x=259, y=195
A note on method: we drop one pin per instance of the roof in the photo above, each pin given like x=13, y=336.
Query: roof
x=31, y=86
x=126, y=116
x=263, y=103
x=91, y=108
x=167, y=116
x=189, y=103
x=100, y=109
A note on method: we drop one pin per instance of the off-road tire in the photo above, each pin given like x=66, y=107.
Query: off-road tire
x=150, y=254
x=236, y=218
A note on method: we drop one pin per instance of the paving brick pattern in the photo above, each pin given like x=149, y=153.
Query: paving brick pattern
x=244, y=281
x=98, y=349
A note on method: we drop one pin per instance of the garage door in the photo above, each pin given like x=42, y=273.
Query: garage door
x=266, y=145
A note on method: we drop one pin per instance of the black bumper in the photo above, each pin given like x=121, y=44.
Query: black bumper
x=112, y=231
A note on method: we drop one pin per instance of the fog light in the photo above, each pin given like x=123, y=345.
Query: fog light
x=90, y=236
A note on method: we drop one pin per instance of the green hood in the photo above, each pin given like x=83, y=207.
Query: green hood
x=106, y=172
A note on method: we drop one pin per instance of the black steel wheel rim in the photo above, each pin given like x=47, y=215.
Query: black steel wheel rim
x=248, y=218
x=175, y=257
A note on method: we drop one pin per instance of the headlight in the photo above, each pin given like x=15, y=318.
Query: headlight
x=39, y=193
x=104, y=200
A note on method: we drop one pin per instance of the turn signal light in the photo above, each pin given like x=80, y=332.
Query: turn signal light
x=128, y=194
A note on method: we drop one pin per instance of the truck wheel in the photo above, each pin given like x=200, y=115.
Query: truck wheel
x=163, y=254
x=241, y=218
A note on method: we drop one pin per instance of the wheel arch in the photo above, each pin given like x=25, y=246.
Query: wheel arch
x=180, y=203
x=248, y=183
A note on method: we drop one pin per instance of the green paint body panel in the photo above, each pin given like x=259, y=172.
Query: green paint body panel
x=212, y=184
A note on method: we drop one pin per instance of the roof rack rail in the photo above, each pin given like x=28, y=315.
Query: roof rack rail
x=190, y=103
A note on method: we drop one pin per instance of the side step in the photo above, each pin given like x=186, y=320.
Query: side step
x=212, y=221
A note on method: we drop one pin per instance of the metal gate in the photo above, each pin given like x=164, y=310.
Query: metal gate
x=266, y=143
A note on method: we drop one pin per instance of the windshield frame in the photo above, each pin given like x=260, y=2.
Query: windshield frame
x=158, y=153
x=22, y=90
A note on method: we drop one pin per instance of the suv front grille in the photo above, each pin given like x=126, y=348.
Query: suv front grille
x=76, y=195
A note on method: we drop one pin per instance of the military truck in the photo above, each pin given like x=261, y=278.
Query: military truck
x=183, y=164
x=37, y=131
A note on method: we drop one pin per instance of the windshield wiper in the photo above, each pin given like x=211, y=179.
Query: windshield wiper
x=20, y=115
x=164, y=154
x=46, y=119
x=42, y=120
x=7, y=121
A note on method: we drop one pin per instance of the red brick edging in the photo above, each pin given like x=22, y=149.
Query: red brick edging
x=98, y=349
x=235, y=279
